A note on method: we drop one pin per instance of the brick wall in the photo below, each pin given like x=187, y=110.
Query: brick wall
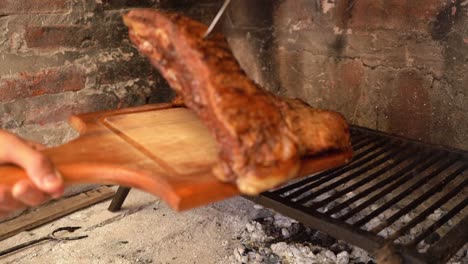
x=61, y=57
x=393, y=65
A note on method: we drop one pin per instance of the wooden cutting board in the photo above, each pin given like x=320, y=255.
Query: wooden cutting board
x=161, y=149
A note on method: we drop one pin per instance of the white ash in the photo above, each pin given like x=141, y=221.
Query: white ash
x=372, y=223
x=274, y=238
x=386, y=232
x=278, y=239
x=258, y=207
x=438, y=213
x=361, y=256
x=342, y=258
x=293, y=253
x=283, y=232
x=256, y=233
x=409, y=236
x=461, y=257
x=283, y=221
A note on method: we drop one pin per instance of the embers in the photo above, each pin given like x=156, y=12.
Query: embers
x=274, y=238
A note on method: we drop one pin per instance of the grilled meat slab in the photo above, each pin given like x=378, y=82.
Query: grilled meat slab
x=261, y=137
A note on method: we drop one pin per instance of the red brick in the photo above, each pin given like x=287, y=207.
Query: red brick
x=49, y=81
x=121, y=70
x=52, y=37
x=347, y=80
x=34, y=6
x=388, y=14
x=352, y=75
x=410, y=108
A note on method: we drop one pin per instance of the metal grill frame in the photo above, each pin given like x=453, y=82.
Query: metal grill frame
x=440, y=252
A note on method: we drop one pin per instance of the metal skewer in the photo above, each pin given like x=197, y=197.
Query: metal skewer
x=216, y=19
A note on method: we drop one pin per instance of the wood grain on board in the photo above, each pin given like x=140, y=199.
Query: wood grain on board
x=161, y=149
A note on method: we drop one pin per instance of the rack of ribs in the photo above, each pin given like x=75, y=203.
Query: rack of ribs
x=261, y=137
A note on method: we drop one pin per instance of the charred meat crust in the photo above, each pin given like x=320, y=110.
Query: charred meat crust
x=260, y=136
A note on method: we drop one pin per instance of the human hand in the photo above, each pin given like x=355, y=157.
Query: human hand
x=44, y=181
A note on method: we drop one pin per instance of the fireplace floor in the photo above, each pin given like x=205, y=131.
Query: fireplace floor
x=147, y=231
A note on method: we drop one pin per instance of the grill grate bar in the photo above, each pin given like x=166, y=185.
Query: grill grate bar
x=422, y=163
x=399, y=197
x=329, y=176
x=284, y=206
x=422, y=216
x=449, y=244
x=329, y=172
x=366, y=142
x=375, y=187
x=415, y=177
x=441, y=221
x=415, y=203
x=358, y=138
x=406, y=154
x=353, y=175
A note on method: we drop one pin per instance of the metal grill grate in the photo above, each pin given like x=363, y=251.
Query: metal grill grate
x=395, y=192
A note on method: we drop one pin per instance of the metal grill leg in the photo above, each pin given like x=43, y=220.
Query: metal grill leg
x=118, y=199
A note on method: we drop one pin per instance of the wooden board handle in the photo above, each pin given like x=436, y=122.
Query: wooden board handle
x=146, y=148
x=87, y=173
x=11, y=175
